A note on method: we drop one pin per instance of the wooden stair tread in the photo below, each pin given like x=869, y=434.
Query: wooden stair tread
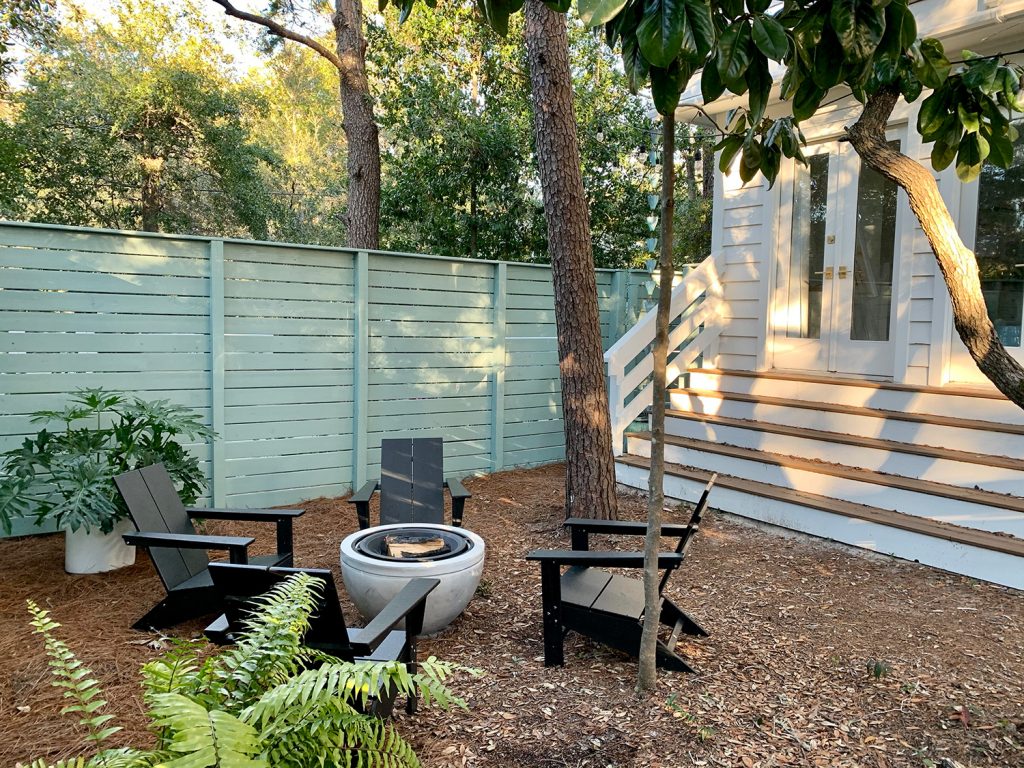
x=971, y=495
x=857, y=410
x=982, y=539
x=1004, y=462
x=983, y=391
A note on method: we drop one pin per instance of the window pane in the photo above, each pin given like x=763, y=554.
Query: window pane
x=999, y=244
x=873, y=255
x=802, y=282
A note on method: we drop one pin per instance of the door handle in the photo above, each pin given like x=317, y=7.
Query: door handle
x=842, y=273
x=828, y=273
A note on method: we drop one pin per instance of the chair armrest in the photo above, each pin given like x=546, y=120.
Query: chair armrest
x=412, y=596
x=602, y=559
x=457, y=489
x=580, y=529
x=235, y=545
x=365, y=493
x=361, y=499
x=254, y=515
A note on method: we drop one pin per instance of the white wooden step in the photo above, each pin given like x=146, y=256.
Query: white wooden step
x=975, y=436
x=969, y=508
x=983, y=403
x=986, y=556
x=940, y=465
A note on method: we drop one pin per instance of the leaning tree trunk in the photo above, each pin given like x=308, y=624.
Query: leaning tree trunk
x=590, y=469
x=647, y=674
x=957, y=262
x=361, y=135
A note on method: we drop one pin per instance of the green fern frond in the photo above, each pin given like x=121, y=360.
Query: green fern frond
x=74, y=677
x=175, y=670
x=201, y=738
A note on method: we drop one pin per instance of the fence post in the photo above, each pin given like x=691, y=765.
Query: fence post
x=360, y=366
x=218, y=473
x=498, y=403
x=620, y=290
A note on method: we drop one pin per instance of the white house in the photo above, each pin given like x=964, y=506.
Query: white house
x=819, y=372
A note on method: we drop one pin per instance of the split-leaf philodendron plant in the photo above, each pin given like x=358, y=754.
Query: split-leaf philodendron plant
x=268, y=701
x=67, y=476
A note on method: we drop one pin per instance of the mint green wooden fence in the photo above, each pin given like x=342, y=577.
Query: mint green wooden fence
x=301, y=358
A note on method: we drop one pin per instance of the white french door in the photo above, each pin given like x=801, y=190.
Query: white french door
x=836, y=265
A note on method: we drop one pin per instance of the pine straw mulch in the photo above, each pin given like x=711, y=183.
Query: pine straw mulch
x=784, y=677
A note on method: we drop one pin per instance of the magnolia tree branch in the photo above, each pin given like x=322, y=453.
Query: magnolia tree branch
x=281, y=31
x=957, y=262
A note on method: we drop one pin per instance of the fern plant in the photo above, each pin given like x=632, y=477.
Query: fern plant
x=268, y=701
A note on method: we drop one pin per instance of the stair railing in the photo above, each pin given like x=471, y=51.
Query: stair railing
x=695, y=325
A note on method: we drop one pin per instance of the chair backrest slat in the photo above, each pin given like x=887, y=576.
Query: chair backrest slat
x=155, y=506
x=692, y=529
x=411, y=481
x=240, y=585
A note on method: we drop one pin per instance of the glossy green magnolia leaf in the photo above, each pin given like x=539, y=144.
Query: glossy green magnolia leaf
x=944, y=152
x=828, y=58
x=933, y=110
x=661, y=32
x=1000, y=149
x=1012, y=94
x=771, y=162
x=634, y=64
x=750, y=161
x=711, y=85
x=859, y=26
x=900, y=29
x=729, y=147
x=594, y=13
x=930, y=63
x=734, y=51
x=770, y=37
x=559, y=6
x=758, y=6
x=970, y=157
x=790, y=81
x=981, y=74
x=759, y=81
x=971, y=121
x=667, y=84
x=910, y=87
x=806, y=100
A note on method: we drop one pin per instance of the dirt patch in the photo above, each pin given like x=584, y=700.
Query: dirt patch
x=818, y=655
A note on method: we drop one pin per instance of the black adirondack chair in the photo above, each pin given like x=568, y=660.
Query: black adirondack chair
x=609, y=607
x=411, y=484
x=179, y=554
x=380, y=640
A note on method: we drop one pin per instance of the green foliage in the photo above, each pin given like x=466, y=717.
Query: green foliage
x=127, y=119
x=260, y=703
x=863, y=45
x=67, y=476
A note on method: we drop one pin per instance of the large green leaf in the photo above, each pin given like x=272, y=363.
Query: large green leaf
x=667, y=84
x=970, y=157
x=930, y=63
x=933, y=110
x=1000, y=149
x=633, y=62
x=900, y=29
x=661, y=32
x=594, y=13
x=729, y=147
x=734, y=51
x=711, y=85
x=759, y=80
x=806, y=100
x=770, y=37
x=859, y=25
x=981, y=74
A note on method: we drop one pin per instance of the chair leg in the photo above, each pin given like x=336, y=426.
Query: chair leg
x=551, y=589
x=673, y=616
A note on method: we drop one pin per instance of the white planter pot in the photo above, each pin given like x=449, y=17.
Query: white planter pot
x=97, y=552
x=372, y=583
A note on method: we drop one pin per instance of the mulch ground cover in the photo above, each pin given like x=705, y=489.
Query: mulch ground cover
x=819, y=656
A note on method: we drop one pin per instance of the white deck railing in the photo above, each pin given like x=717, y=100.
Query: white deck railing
x=695, y=309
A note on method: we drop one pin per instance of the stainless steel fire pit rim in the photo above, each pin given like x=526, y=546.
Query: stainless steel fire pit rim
x=411, y=567
x=368, y=545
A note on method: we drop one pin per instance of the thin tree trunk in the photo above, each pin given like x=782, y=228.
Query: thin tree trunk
x=590, y=469
x=647, y=675
x=152, y=171
x=472, y=219
x=361, y=135
x=957, y=262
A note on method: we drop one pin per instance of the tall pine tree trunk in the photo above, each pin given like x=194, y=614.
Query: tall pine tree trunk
x=647, y=675
x=957, y=262
x=590, y=469
x=361, y=135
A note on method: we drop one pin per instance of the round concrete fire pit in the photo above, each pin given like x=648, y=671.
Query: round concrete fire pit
x=377, y=562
